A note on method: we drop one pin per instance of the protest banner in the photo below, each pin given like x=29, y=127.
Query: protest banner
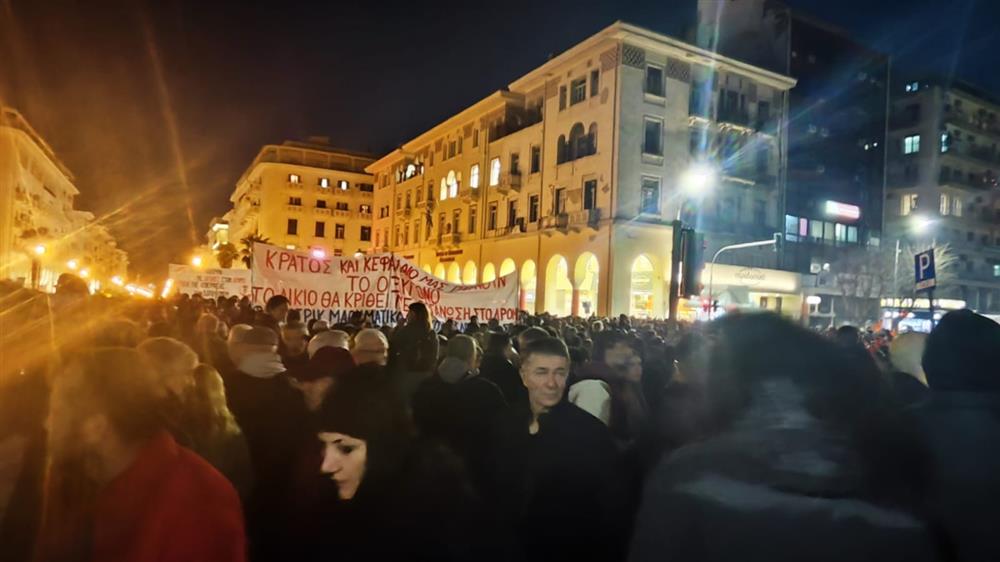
x=382, y=285
x=210, y=283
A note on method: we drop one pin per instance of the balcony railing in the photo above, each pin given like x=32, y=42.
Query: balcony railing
x=979, y=153
x=510, y=182
x=739, y=117
x=322, y=211
x=341, y=213
x=293, y=208
x=974, y=122
x=406, y=212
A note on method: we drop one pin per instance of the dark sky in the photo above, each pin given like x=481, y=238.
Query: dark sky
x=158, y=106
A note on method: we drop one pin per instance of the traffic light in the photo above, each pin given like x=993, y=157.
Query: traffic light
x=778, y=241
x=693, y=244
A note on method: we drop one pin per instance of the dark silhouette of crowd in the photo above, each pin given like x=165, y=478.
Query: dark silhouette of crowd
x=210, y=429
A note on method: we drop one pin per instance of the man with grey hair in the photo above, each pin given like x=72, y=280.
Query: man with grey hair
x=370, y=346
x=329, y=338
x=908, y=379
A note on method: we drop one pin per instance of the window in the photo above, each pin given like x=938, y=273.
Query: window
x=491, y=218
x=365, y=209
x=293, y=227
x=945, y=142
x=406, y=234
x=907, y=203
x=409, y=199
x=595, y=82
x=759, y=213
x=366, y=234
x=366, y=187
x=475, y=138
x=320, y=229
x=324, y=182
x=416, y=231
x=295, y=201
x=442, y=225
x=652, y=139
x=654, y=80
x=536, y=159
x=533, y=208
x=444, y=190
x=852, y=234
x=494, y=172
x=562, y=98
x=577, y=91
x=816, y=231
x=560, y=202
x=320, y=203
x=791, y=228
x=590, y=194
x=418, y=195
x=459, y=145
x=472, y=219
x=511, y=212
x=912, y=87
x=399, y=201
x=945, y=205
x=342, y=206
x=956, y=206
x=456, y=220
x=911, y=144
x=452, y=184
x=996, y=270
x=474, y=176
x=343, y=185
x=515, y=163
x=294, y=178
x=649, y=197
x=338, y=232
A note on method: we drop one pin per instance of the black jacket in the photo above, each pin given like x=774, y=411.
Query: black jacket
x=413, y=348
x=560, y=490
x=461, y=416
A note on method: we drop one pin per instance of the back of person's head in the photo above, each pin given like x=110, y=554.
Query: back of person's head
x=118, y=332
x=207, y=325
x=419, y=316
x=114, y=382
x=173, y=363
x=545, y=346
x=329, y=338
x=603, y=341
x=847, y=335
x=532, y=334
x=208, y=411
x=963, y=354
x=497, y=343
x=275, y=302
x=906, y=353
x=464, y=348
x=370, y=346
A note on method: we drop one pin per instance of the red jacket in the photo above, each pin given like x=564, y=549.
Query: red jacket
x=170, y=505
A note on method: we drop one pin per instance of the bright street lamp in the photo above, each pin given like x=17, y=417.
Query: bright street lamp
x=197, y=261
x=73, y=264
x=84, y=273
x=117, y=280
x=40, y=250
x=698, y=179
x=920, y=224
x=318, y=253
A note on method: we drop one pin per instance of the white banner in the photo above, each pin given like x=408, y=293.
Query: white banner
x=210, y=283
x=383, y=285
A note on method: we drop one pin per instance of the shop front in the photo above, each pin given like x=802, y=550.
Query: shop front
x=735, y=288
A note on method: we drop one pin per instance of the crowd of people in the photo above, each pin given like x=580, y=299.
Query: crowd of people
x=200, y=430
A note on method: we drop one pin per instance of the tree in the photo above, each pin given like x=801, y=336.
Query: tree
x=226, y=255
x=247, y=252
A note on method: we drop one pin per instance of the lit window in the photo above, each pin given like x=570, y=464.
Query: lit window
x=343, y=185
x=911, y=144
x=650, y=196
x=452, y=184
x=495, y=172
x=912, y=87
x=956, y=206
x=996, y=270
x=294, y=178
x=324, y=182
x=852, y=234
x=907, y=203
x=444, y=190
x=945, y=142
x=840, y=232
x=474, y=176
x=945, y=205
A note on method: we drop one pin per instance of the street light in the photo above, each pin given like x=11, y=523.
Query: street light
x=698, y=179
x=920, y=224
x=117, y=280
x=197, y=261
x=84, y=273
x=73, y=264
x=318, y=253
x=40, y=250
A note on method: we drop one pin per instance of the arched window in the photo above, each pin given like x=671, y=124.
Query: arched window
x=444, y=190
x=592, y=139
x=452, y=184
x=577, y=142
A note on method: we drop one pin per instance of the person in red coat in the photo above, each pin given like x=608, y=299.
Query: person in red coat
x=120, y=489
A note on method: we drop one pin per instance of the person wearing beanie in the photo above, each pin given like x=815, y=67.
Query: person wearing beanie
x=961, y=424
x=317, y=376
x=458, y=407
x=400, y=496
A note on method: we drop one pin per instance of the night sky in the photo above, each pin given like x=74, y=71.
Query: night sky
x=158, y=107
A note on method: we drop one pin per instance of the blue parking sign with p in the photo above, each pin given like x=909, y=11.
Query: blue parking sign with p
x=923, y=270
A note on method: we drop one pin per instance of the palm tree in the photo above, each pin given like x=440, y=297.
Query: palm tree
x=226, y=255
x=247, y=251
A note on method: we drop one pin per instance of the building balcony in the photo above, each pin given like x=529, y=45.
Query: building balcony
x=293, y=208
x=420, y=204
x=322, y=211
x=295, y=185
x=587, y=218
x=555, y=221
x=469, y=195
x=449, y=239
x=510, y=182
x=976, y=182
x=738, y=117
x=972, y=122
x=341, y=213
x=406, y=212
x=366, y=194
x=979, y=154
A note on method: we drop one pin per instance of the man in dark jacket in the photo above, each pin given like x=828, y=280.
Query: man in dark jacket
x=614, y=363
x=961, y=422
x=556, y=474
x=498, y=368
x=458, y=406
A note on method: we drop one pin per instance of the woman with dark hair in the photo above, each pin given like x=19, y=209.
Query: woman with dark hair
x=399, y=497
x=413, y=351
x=808, y=462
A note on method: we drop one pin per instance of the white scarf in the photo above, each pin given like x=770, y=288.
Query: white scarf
x=262, y=365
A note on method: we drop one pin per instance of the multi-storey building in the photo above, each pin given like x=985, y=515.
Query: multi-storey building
x=570, y=177
x=41, y=234
x=833, y=207
x=305, y=195
x=943, y=182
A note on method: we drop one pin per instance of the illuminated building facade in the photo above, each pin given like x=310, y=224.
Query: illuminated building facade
x=570, y=178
